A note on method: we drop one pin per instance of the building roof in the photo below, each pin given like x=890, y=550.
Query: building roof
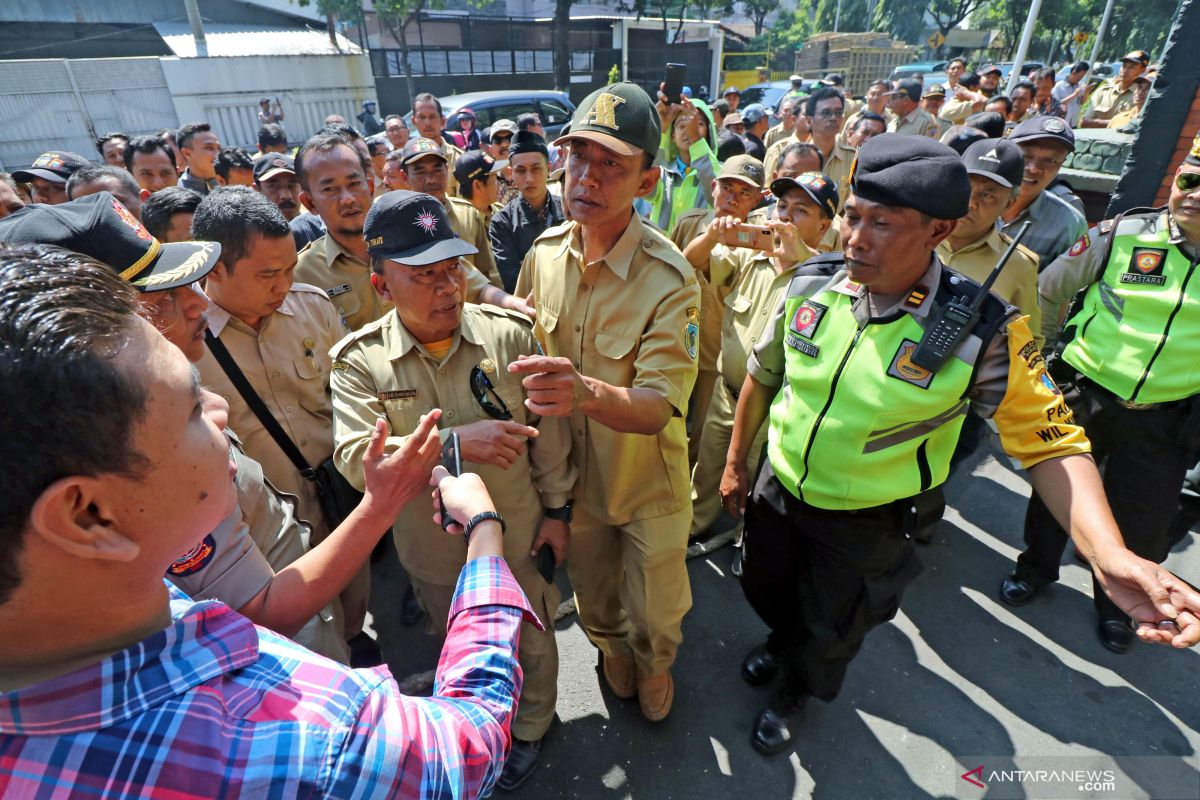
x=252, y=40
x=140, y=12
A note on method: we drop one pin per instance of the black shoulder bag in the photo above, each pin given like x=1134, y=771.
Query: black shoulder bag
x=337, y=497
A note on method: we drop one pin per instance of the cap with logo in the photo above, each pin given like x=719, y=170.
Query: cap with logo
x=273, y=164
x=753, y=113
x=744, y=168
x=1137, y=57
x=420, y=148
x=937, y=90
x=528, y=142
x=55, y=166
x=1193, y=156
x=412, y=229
x=620, y=117
x=991, y=69
x=99, y=226
x=997, y=159
x=1043, y=127
x=475, y=164
x=818, y=187
x=908, y=86
x=896, y=169
x=731, y=90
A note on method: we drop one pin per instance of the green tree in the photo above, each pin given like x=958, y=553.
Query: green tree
x=903, y=19
x=757, y=10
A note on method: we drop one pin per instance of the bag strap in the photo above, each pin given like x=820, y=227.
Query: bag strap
x=242, y=384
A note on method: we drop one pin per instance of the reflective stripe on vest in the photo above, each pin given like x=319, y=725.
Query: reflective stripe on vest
x=1137, y=333
x=856, y=424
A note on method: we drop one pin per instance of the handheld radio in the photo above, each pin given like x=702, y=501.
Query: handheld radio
x=956, y=319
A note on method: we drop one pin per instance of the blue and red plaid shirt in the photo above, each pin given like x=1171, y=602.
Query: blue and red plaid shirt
x=214, y=706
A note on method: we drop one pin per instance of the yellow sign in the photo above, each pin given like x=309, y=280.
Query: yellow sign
x=1082, y=37
x=935, y=40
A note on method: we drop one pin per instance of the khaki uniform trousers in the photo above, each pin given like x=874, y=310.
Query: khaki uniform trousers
x=631, y=585
x=706, y=477
x=537, y=652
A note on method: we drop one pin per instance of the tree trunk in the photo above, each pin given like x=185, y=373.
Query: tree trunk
x=332, y=31
x=562, y=45
x=400, y=35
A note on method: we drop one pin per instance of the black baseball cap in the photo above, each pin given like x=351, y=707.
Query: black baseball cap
x=896, y=169
x=818, y=187
x=273, y=164
x=1137, y=57
x=998, y=159
x=620, y=117
x=528, y=142
x=1043, y=127
x=991, y=68
x=909, y=86
x=731, y=90
x=55, y=166
x=412, y=229
x=419, y=148
x=474, y=164
x=98, y=225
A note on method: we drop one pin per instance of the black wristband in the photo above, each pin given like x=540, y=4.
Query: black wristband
x=562, y=513
x=482, y=517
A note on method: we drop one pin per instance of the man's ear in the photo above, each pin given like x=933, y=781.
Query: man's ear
x=380, y=286
x=940, y=229
x=649, y=181
x=144, y=194
x=218, y=275
x=75, y=515
x=306, y=199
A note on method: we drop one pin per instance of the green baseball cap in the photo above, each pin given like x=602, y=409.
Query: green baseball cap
x=620, y=117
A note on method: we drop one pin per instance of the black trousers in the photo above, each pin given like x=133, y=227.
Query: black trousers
x=1143, y=456
x=822, y=579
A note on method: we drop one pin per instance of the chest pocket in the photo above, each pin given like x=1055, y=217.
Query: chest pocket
x=513, y=394
x=347, y=303
x=613, y=345
x=738, y=304
x=313, y=380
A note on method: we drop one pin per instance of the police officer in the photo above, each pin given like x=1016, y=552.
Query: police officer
x=617, y=314
x=1127, y=359
x=870, y=428
x=434, y=351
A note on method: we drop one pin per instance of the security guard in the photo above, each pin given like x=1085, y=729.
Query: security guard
x=618, y=316
x=278, y=333
x=432, y=352
x=1127, y=361
x=803, y=213
x=862, y=427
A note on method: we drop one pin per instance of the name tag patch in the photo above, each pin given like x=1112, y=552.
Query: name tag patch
x=807, y=348
x=334, y=291
x=904, y=369
x=1146, y=267
x=402, y=394
x=807, y=318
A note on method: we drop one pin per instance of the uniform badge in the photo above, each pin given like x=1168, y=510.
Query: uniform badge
x=1081, y=245
x=402, y=394
x=195, y=559
x=488, y=366
x=334, y=291
x=807, y=318
x=129, y=219
x=904, y=369
x=691, y=333
x=1146, y=267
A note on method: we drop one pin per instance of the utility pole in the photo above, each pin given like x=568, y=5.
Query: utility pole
x=1108, y=7
x=1023, y=49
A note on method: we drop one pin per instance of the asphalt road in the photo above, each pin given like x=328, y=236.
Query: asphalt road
x=957, y=681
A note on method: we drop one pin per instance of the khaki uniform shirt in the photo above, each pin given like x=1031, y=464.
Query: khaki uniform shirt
x=453, y=152
x=690, y=225
x=837, y=169
x=381, y=371
x=1017, y=282
x=956, y=110
x=758, y=290
x=629, y=319
x=347, y=281
x=776, y=134
x=287, y=363
x=1108, y=100
x=471, y=227
x=917, y=122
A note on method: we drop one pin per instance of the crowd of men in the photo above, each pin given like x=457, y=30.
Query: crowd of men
x=671, y=312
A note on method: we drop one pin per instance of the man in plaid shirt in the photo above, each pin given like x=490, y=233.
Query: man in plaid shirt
x=114, y=684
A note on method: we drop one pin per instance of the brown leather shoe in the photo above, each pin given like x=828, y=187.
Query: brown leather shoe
x=655, y=693
x=619, y=675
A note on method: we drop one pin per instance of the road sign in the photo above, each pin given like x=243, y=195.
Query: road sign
x=1082, y=37
x=935, y=40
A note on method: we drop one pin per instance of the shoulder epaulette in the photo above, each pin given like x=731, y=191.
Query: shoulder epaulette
x=366, y=331
x=497, y=311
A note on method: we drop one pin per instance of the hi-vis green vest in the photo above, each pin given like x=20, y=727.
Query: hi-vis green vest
x=856, y=424
x=1137, y=331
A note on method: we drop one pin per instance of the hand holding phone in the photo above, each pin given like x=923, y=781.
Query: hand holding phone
x=755, y=237
x=452, y=461
x=673, y=83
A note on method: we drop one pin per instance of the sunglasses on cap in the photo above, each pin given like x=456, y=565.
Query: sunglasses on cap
x=1188, y=181
x=487, y=397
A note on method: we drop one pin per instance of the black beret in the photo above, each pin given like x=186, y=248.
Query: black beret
x=917, y=172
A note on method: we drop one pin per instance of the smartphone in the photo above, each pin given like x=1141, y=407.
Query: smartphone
x=755, y=237
x=673, y=82
x=545, y=563
x=452, y=461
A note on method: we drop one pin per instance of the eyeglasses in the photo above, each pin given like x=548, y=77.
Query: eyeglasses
x=828, y=113
x=487, y=397
x=1188, y=181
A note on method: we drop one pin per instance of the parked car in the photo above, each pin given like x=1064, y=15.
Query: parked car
x=771, y=93
x=1102, y=71
x=555, y=108
x=919, y=69
x=1006, y=68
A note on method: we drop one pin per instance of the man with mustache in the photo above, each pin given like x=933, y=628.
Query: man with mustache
x=618, y=312
x=1126, y=360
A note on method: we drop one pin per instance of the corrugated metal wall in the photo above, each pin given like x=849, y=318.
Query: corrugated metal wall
x=71, y=101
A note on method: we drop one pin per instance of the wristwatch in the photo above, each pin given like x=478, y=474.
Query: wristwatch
x=479, y=518
x=562, y=513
